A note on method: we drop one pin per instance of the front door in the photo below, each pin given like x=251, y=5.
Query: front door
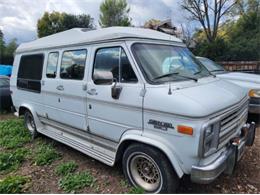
x=107, y=116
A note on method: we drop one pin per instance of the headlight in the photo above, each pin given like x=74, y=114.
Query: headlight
x=210, y=140
x=254, y=93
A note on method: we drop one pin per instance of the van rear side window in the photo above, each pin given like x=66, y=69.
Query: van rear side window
x=30, y=72
x=52, y=64
x=73, y=64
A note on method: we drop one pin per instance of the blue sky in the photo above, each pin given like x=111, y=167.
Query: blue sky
x=18, y=18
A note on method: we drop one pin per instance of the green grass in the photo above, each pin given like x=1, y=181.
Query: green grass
x=10, y=161
x=136, y=190
x=12, y=184
x=74, y=182
x=66, y=168
x=13, y=134
x=45, y=154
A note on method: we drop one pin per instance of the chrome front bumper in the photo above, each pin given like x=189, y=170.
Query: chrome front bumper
x=227, y=160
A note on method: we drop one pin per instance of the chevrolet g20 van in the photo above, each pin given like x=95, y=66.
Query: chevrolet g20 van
x=134, y=96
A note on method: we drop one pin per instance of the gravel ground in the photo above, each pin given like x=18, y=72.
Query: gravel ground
x=246, y=178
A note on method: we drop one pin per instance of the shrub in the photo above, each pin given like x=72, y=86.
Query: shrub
x=66, y=168
x=45, y=154
x=13, y=134
x=12, y=184
x=77, y=181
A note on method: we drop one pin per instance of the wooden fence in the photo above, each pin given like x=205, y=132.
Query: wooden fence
x=242, y=66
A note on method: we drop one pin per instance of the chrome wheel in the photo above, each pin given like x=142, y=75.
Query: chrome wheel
x=144, y=172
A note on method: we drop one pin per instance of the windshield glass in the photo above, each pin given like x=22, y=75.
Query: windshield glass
x=210, y=65
x=163, y=63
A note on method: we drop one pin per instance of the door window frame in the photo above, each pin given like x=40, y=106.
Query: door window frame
x=96, y=48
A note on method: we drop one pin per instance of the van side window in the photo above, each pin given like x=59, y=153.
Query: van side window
x=114, y=60
x=30, y=72
x=52, y=64
x=73, y=64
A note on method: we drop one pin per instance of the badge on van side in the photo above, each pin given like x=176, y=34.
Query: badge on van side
x=160, y=125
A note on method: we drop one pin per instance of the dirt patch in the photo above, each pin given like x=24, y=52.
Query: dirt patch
x=43, y=179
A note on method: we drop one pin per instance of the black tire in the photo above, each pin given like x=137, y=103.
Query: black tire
x=168, y=182
x=30, y=123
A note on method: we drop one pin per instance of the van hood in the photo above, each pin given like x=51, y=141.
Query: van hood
x=201, y=99
x=254, y=78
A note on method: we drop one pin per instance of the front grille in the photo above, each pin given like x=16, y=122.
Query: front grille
x=230, y=121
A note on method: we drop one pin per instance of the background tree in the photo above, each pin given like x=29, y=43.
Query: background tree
x=55, y=22
x=2, y=45
x=114, y=13
x=209, y=14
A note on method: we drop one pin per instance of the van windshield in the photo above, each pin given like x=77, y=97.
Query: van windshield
x=164, y=63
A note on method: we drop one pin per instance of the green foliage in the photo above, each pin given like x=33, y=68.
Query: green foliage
x=13, y=134
x=12, y=184
x=136, y=190
x=77, y=181
x=238, y=41
x=66, y=168
x=45, y=154
x=7, y=50
x=10, y=161
x=55, y=22
x=114, y=13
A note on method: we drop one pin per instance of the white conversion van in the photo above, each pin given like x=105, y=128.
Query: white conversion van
x=132, y=95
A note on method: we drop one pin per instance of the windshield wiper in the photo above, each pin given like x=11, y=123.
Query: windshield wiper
x=177, y=74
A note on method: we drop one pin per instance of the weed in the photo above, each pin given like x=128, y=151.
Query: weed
x=45, y=154
x=10, y=161
x=77, y=181
x=66, y=168
x=12, y=184
x=124, y=183
x=136, y=190
x=13, y=134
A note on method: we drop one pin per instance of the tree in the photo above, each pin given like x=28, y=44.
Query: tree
x=55, y=22
x=2, y=45
x=114, y=13
x=209, y=13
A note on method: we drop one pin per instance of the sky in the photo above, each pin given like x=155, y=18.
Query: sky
x=18, y=18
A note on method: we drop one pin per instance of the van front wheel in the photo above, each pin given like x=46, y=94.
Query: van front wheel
x=30, y=124
x=149, y=169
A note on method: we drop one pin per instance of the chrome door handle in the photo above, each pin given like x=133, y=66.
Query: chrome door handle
x=60, y=88
x=92, y=92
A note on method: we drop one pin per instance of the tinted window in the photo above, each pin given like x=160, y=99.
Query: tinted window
x=113, y=60
x=73, y=64
x=30, y=72
x=52, y=64
x=4, y=82
x=31, y=67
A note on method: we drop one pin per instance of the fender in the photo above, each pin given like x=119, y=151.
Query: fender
x=161, y=144
x=31, y=109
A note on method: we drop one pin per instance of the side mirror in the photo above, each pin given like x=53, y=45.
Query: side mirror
x=116, y=91
x=103, y=77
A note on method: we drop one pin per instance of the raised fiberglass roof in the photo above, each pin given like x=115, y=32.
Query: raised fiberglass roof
x=80, y=36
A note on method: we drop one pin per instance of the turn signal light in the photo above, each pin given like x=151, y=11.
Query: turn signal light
x=185, y=130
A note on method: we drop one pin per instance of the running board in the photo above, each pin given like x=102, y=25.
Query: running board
x=82, y=145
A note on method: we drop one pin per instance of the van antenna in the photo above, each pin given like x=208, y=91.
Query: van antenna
x=170, y=89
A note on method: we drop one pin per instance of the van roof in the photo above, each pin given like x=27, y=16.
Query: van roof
x=81, y=36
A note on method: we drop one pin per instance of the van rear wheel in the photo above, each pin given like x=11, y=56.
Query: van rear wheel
x=149, y=169
x=30, y=123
